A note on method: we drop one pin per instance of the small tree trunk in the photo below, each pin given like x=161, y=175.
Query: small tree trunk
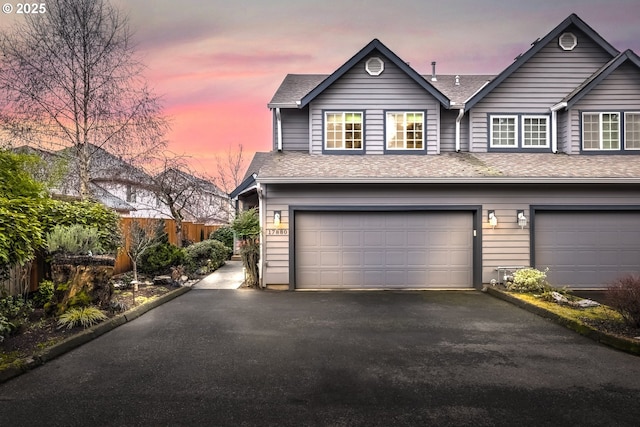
x=250, y=253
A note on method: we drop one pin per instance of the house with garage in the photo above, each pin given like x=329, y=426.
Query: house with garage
x=381, y=177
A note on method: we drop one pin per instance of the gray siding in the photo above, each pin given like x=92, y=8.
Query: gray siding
x=295, y=129
x=358, y=91
x=620, y=91
x=507, y=244
x=448, y=131
x=538, y=84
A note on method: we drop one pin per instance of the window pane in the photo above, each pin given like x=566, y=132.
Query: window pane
x=632, y=131
x=343, y=130
x=404, y=130
x=504, y=132
x=591, y=131
x=535, y=132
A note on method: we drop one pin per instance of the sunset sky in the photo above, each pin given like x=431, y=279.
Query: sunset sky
x=217, y=63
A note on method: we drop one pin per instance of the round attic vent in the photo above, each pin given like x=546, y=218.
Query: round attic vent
x=374, y=66
x=568, y=41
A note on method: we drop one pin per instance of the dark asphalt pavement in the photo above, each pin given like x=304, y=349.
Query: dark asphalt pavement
x=251, y=358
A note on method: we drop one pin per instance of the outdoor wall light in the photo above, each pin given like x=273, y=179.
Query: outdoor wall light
x=521, y=219
x=493, y=219
x=276, y=218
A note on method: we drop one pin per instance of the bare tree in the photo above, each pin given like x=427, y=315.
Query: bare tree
x=187, y=196
x=69, y=78
x=231, y=168
x=139, y=234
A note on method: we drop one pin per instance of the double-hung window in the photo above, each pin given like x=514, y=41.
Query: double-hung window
x=600, y=131
x=535, y=132
x=405, y=130
x=504, y=131
x=343, y=131
x=632, y=131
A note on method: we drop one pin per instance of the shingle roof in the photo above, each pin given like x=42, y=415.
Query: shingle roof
x=294, y=87
x=460, y=93
x=298, y=167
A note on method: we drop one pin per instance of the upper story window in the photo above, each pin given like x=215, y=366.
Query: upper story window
x=343, y=131
x=600, y=131
x=535, y=132
x=504, y=131
x=632, y=131
x=519, y=131
x=405, y=130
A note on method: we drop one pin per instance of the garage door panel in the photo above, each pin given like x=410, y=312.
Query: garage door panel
x=587, y=249
x=384, y=249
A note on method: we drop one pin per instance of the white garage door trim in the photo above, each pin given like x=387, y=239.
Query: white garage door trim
x=475, y=228
x=602, y=258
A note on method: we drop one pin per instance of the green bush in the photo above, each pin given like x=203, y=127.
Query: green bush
x=74, y=240
x=14, y=312
x=528, y=280
x=44, y=294
x=90, y=214
x=83, y=316
x=623, y=295
x=206, y=256
x=223, y=234
x=159, y=258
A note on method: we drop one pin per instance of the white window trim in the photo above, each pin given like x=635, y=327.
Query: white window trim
x=625, y=130
x=547, y=135
x=372, y=71
x=600, y=130
x=516, y=130
x=344, y=131
x=404, y=113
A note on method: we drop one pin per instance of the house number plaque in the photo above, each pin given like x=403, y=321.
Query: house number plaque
x=277, y=232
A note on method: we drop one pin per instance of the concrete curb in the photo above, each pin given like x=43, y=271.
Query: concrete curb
x=620, y=343
x=21, y=366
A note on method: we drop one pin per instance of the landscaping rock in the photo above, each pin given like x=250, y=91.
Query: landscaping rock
x=163, y=281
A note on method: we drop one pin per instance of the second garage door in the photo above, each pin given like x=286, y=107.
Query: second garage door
x=587, y=249
x=383, y=250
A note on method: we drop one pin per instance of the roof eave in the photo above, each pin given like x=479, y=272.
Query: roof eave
x=448, y=180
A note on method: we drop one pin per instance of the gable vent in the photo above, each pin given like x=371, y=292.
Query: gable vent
x=568, y=41
x=374, y=66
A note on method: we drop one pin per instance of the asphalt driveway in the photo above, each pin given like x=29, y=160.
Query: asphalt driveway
x=237, y=357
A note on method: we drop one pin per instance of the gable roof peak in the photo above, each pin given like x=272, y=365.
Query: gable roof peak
x=375, y=44
x=572, y=19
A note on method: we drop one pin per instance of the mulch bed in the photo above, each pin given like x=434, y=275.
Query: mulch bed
x=42, y=331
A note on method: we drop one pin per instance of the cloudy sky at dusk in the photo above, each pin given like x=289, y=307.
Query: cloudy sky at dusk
x=217, y=63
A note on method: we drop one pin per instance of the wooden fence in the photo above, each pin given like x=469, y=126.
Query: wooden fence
x=21, y=278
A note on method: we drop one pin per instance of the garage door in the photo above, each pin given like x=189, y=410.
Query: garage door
x=383, y=250
x=587, y=249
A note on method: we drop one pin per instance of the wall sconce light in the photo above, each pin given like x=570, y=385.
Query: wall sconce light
x=493, y=219
x=522, y=220
x=276, y=218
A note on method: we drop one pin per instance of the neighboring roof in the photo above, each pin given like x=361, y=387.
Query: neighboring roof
x=374, y=45
x=109, y=200
x=300, y=167
x=573, y=19
x=596, y=78
x=203, y=184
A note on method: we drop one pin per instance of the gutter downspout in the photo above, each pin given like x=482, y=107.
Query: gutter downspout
x=458, y=120
x=554, y=125
x=279, y=129
x=261, y=213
